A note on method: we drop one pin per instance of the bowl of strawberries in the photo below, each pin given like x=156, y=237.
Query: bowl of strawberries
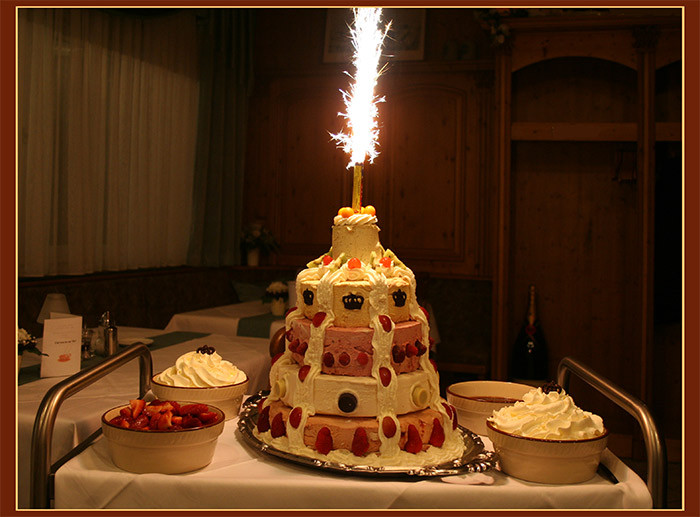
x=163, y=436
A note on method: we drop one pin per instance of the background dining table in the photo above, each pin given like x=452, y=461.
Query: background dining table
x=80, y=414
x=241, y=476
x=245, y=319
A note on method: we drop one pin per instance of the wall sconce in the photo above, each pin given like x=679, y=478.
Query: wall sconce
x=54, y=302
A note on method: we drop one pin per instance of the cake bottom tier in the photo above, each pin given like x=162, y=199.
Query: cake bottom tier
x=343, y=431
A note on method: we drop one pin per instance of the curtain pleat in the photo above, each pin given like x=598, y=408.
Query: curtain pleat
x=225, y=81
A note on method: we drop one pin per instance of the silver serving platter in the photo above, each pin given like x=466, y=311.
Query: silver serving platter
x=474, y=458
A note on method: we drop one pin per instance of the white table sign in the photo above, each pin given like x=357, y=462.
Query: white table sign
x=61, y=344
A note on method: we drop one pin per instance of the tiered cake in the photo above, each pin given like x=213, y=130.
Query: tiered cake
x=355, y=384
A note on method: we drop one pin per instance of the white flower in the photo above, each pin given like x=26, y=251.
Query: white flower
x=23, y=335
x=277, y=287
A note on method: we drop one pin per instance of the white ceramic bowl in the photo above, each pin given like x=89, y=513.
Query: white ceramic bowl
x=164, y=452
x=227, y=398
x=475, y=401
x=547, y=461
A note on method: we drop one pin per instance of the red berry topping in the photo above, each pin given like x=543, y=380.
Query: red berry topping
x=360, y=442
x=386, y=322
x=293, y=345
x=437, y=437
x=425, y=311
x=421, y=348
x=362, y=358
x=327, y=259
x=302, y=348
x=289, y=335
x=344, y=359
x=385, y=261
x=274, y=358
x=260, y=404
x=414, y=444
x=432, y=361
x=324, y=441
x=289, y=311
x=384, y=376
x=328, y=359
x=448, y=409
x=264, y=420
x=318, y=318
x=398, y=354
x=431, y=341
x=388, y=426
x=277, y=428
x=354, y=263
x=303, y=372
x=295, y=417
x=411, y=350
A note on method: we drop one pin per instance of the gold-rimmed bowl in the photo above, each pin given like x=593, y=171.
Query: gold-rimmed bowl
x=547, y=461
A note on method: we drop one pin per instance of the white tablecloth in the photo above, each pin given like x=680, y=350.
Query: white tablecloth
x=80, y=414
x=241, y=477
x=221, y=320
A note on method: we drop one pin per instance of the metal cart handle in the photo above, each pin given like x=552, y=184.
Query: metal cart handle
x=655, y=447
x=41, y=468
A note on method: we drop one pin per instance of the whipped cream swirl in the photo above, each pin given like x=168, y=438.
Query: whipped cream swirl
x=355, y=220
x=196, y=370
x=549, y=416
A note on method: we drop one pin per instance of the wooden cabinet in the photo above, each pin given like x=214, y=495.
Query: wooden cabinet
x=576, y=178
x=429, y=184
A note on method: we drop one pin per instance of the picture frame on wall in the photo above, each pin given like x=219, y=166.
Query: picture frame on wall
x=404, y=42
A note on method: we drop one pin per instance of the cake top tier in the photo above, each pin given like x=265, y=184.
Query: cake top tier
x=356, y=235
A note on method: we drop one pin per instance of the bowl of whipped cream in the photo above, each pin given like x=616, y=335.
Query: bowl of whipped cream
x=546, y=438
x=203, y=376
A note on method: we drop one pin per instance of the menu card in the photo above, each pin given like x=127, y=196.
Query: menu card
x=61, y=344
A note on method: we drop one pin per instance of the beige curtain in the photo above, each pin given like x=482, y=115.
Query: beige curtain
x=107, y=119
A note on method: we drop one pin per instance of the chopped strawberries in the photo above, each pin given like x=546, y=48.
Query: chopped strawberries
x=411, y=350
x=344, y=359
x=163, y=415
x=328, y=359
x=293, y=346
x=437, y=436
x=362, y=358
x=388, y=426
x=324, y=441
x=318, y=318
x=277, y=428
x=360, y=442
x=264, y=419
x=301, y=349
x=414, y=444
x=420, y=347
x=398, y=354
x=386, y=322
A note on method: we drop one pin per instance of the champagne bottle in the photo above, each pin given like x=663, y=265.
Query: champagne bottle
x=529, y=361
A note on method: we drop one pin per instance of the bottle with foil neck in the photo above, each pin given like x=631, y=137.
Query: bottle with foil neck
x=529, y=355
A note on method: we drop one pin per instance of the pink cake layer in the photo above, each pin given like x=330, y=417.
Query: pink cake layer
x=342, y=429
x=348, y=350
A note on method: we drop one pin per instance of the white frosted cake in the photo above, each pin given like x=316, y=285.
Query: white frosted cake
x=355, y=384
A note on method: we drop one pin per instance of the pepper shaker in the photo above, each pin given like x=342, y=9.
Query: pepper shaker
x=110, y=334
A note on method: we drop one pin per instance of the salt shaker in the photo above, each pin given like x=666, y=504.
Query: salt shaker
x=110, y=334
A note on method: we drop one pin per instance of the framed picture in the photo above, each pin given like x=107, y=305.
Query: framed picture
x=404, y=42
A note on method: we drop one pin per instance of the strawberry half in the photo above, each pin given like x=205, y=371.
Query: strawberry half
x=295, y=417
x=386, y=322
x=360, y=442
x=414, y=444
x=137, y=406
x=324, y=441
x=318, y=318
x=437, y=436
x=264, y=420
x=384, y=376
x=277, y=428
x=388, y=426
x=303, y=372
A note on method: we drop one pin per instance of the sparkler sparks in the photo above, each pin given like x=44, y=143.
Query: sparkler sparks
x=361, y=103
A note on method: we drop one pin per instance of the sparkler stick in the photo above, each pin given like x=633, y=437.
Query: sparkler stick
x=361, y=103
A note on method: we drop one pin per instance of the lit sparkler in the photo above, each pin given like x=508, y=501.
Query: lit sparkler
x=361, y=103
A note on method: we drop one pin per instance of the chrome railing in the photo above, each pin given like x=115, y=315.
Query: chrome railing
x=655, y=448
x=42, y=471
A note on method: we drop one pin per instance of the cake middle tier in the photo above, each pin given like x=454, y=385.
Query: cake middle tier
x=352, y=396
x=348, y=350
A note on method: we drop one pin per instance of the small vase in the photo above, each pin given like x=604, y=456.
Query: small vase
x=278, y=306
x=254, y=257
